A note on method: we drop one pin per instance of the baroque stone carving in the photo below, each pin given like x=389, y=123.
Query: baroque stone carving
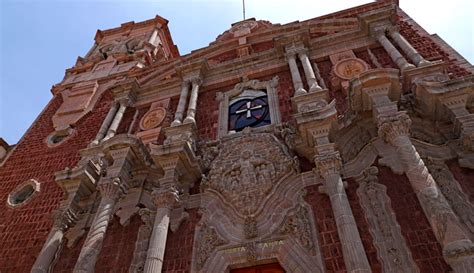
x=451, y=190
x=246, y=169
x=250, y=227
x=153, y=118
x=346, y=69
x=143, y=238
x=390, y=244
x=208, y=240
x=297, y=224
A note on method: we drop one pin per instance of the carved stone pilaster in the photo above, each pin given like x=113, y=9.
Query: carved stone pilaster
x=297, y=224
x=143, y=239
x=388, y=240
x=207, y=240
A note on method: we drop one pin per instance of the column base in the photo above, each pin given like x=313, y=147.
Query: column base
x=189, y=120
x=300, y=92
x=423, y=63
x=175, y=123
x=315, y=88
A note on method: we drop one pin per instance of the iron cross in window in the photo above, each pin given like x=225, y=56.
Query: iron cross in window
x=249, y=109
x=249, y=112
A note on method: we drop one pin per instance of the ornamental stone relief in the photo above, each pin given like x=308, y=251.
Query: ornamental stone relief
x=208, y=240
x=450, y=188
x=246, y=170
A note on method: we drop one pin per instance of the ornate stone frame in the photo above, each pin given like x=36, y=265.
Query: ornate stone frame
x=224, y=97
x=31, y=182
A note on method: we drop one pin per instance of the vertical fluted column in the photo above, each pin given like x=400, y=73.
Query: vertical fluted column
x=401, y=62
x=309, y=73
x=295, y=74
x=178, y=117
x=116, y=121
x=110, y=190
x=165, y=199
x=414, y=56
x=458, y=249
x=190, y=116
x=329, y=166
x=62, y=220
x=105, y=124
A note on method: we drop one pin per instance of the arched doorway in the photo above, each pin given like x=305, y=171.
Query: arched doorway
x=266, y=268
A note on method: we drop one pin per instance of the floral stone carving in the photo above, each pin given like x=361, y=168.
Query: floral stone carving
x=246, y=170
x=208, y=240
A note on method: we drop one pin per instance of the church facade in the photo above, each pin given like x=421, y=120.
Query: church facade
x=344, y=143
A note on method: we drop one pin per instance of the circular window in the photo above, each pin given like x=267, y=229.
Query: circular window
x=57, y=137
x=23, y=193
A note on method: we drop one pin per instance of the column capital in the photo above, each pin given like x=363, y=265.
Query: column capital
x=295, y=49
x=327, y=164
x=392, y=126
x=63, y=218
x=166, y=198
x=112, y=188
x=392, y=29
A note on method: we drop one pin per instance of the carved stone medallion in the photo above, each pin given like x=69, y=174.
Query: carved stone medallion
x=246, y=170
x=153, y=118
x=346, y=69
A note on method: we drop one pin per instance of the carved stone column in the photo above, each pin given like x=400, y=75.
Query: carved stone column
x=450, y=188
x=401, y=62
x=392, y=250
x=105, y=124
x=308, y=71
x=190, y=116
x=165, y=199
x=181, y=104
x=62, y=221
x=329, y=167
x=116, y=121
x=414, y=56
x=143, y=240
x=458, y=249
x=295, y=73
x=110, y=190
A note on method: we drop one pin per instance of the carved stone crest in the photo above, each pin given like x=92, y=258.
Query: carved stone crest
x=246, y=170
x=208, y=240
x=153, y=118
x=348, y=68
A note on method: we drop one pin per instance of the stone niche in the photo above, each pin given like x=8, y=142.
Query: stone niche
x=253, y=210
x=77, y=101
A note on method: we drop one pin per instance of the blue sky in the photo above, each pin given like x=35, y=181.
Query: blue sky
x=40, y=39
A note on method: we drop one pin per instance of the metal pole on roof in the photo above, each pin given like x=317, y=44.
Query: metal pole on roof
x=243, y=7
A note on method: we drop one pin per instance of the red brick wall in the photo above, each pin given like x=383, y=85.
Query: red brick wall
x=416, y=229
x=464, y=176
x=329, y=241
x=427, y=47
x=179, y=245
x=118, y=247
x=363, y=226
x=23, y=230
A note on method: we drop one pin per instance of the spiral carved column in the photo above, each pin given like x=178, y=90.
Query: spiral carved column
x=110, y=191
x=63, y=219
x=458, y=249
